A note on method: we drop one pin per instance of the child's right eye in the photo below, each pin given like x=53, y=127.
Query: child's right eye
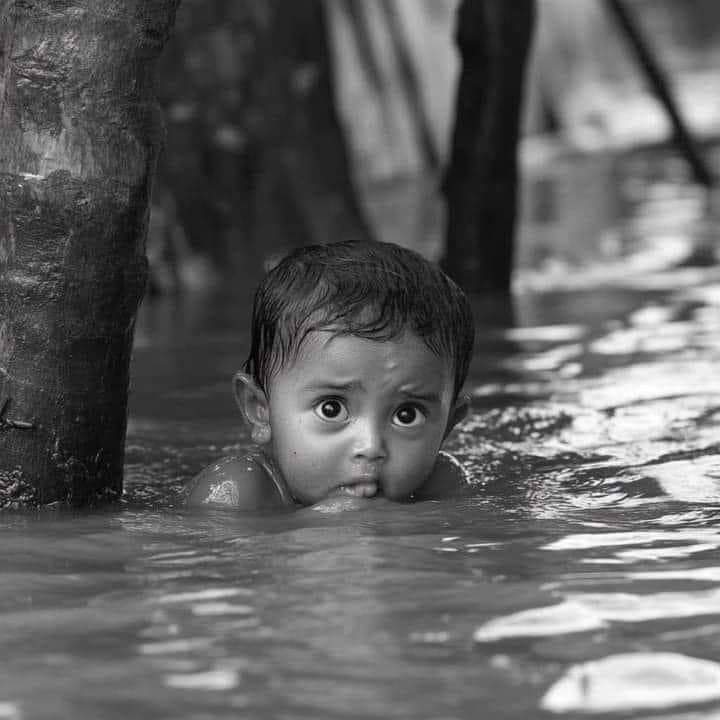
x=331, y=410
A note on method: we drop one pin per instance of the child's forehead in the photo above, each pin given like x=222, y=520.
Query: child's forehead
x=342, y=354
x=332, y=340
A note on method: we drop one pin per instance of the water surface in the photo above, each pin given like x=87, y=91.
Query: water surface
x=580, y=574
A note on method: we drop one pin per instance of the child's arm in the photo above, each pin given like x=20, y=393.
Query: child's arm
x=234, y=482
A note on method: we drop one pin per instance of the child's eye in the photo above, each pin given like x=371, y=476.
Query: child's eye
x=409, y=416
x=331, y=410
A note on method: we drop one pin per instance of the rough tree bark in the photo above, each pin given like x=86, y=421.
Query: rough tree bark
x=303, y=188
x=480, y=188
x=79, y=136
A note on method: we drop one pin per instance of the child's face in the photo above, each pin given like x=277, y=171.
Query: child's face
x=358, y=417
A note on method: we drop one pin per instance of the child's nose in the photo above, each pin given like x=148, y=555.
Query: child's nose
x=369, y=441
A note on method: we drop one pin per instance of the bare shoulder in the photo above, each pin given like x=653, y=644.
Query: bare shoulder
x=448, y=478
x=240, y=482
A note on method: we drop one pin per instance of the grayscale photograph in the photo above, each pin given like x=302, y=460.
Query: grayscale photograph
x=359, y=359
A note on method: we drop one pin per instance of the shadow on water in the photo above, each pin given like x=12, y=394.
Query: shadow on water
x=579, y=574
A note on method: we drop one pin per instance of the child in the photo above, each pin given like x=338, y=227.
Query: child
x=359, y=353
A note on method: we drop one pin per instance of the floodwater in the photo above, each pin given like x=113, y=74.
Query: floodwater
x=580, y=575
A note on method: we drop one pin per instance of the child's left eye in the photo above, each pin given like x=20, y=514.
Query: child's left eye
x=331, y=410
x=409, y=416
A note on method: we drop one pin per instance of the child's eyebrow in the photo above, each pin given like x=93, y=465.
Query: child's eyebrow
x=336, y=386
x=427, y=397
x=430, y=397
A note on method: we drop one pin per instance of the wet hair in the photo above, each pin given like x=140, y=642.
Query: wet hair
x=371, y=290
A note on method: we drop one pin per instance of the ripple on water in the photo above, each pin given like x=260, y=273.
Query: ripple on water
x=693, y=480
x=565, y=617
x=171, y=647
x=643, y=382
x=10, y=711
x=210, y=680
x=671, y=337
x=548, y=360
x=630, y=607
x=701, y=574
x=586, y=541
x=545, y=333
x=579, y=612
x=634, y=681
x=206, y=595
x=221, y=608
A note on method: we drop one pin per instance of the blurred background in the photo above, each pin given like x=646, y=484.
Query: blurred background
x=601, y=181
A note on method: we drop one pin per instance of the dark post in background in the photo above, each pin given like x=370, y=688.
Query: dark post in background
x=493, y=37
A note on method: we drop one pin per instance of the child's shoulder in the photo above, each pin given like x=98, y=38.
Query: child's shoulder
x=244, y=482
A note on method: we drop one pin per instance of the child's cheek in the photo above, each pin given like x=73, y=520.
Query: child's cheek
x=309, y=439
x=420, y=462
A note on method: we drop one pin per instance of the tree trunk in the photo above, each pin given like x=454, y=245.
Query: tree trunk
x=79, y=136
x=303, y=187
x=493, y=37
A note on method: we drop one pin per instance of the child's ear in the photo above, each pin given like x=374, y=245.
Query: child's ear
x=458, y=412
x=253, y=404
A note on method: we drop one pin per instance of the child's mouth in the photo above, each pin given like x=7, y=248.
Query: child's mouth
x=362, y=488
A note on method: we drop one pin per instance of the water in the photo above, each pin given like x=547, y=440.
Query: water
x=581, y=573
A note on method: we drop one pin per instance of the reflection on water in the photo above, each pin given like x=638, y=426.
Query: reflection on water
x=635, y=680
x=579, y=574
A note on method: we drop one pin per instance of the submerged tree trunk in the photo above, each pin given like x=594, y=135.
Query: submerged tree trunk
x=493, y=37
x=303, y=186
x=79, y=135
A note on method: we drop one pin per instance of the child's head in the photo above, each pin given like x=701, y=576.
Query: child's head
x=383, y=324
x=371, y=290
